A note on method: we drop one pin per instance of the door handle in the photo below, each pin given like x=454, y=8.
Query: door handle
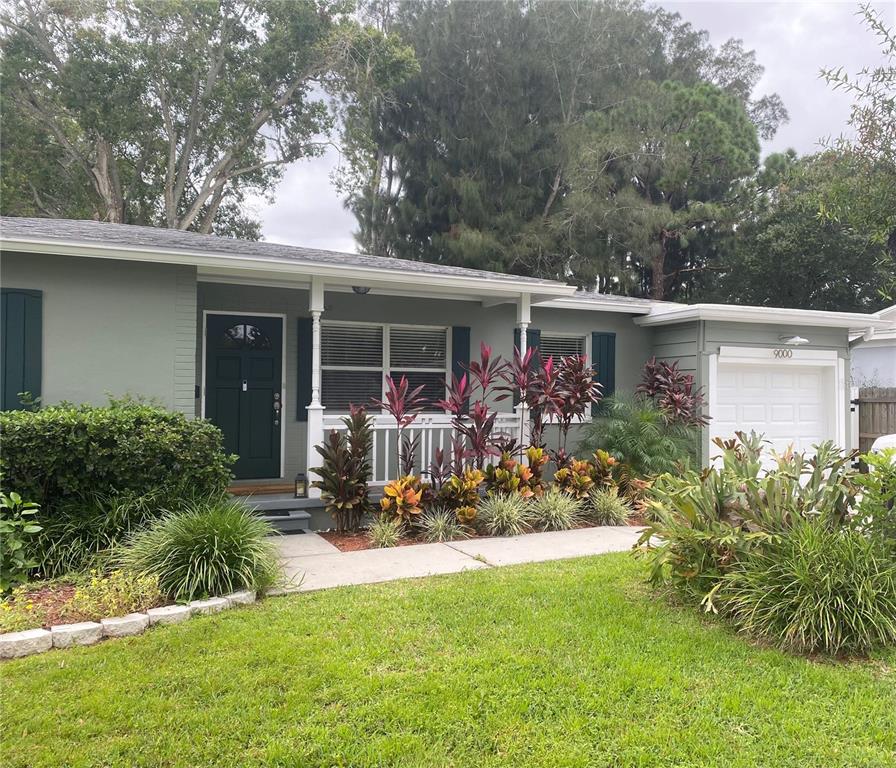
x=245, y=385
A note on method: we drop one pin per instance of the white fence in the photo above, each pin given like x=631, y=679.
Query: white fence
x=433, y=430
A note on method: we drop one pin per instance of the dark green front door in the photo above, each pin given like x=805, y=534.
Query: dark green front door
x=243, y=364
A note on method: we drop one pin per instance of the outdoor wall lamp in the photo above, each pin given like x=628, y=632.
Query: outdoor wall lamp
x=361, y=290
x=793, y=341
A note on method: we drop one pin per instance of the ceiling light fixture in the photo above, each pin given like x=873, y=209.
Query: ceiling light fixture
x=361, y=290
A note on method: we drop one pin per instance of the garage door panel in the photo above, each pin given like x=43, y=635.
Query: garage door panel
x=787, y=405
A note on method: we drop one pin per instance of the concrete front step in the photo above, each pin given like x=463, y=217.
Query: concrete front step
x=283, y=511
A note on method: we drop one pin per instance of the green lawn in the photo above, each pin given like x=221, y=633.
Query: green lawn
x=563, y=664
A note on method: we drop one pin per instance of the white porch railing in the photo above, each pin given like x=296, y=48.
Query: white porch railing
x=433, y=429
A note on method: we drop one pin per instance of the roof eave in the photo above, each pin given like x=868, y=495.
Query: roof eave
x=767, y=315
x=596, y=305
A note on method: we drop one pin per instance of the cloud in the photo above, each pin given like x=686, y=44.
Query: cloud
x=793, y=41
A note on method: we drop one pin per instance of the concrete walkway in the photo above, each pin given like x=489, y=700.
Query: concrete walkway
x=311, y=562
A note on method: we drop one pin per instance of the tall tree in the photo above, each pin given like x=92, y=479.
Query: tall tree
x=785, y=255
x=866, y=198
x=168, y=112
x=657, y=173
x=470, y=162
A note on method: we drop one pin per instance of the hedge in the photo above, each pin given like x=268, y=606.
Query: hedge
x=60, y=452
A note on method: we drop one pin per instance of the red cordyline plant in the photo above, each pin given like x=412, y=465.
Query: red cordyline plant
x=404, y=405
x=545, y=399
x=673, y=392
x=578, y=390
x=474, y=423
x=519, y=379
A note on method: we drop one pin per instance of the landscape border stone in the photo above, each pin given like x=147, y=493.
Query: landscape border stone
x=15, y=645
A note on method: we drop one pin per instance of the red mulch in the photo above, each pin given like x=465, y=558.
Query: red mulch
x=352, y=542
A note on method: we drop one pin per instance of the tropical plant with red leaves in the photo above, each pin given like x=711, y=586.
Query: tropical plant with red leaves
x=673, y=392
x=487, y=370
x=578, y=390
x=404, y=405
x=544, y=399
x=476, y=428
x=458, y=397
x=519, y=379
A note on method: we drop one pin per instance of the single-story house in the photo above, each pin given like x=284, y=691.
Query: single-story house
x=272, y=342
x=874, y=355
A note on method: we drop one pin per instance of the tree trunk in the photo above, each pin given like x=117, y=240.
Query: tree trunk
x=106, y=182
x=658, y=269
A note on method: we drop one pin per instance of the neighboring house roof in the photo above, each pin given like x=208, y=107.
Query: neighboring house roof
x=878, y=337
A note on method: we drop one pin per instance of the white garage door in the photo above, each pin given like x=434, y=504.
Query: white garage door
x=789, y=405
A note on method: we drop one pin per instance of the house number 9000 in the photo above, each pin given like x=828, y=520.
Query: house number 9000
x=783, y=354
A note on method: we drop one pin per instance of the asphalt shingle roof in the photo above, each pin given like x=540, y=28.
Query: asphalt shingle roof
x=132, y=236
x=149, y=238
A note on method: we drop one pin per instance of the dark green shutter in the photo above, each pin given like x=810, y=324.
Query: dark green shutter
x=603, y=359
x=303, y=379
x=21, y=313
x=460, y=351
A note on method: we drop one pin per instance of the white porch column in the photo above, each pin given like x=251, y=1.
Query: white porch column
x=315, y=434
x=523, y=318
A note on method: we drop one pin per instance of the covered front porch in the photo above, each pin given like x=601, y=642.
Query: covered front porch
x=279, y=359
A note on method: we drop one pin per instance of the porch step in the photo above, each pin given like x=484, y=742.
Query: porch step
x=284, y=512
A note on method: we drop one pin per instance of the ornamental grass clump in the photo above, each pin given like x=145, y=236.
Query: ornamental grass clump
x=606, y=507
x=505, y=515
x=818, y=589
x=385, y=532
x=441, y=524
x=211, y=548
x=556, y=511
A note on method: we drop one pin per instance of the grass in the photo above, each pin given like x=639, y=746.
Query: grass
x=571, y=663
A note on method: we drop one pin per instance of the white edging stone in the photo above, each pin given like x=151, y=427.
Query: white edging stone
x=82, y=633
x=212, y=605
x=16, y=644
x=169, y=614
x=244, y=597
x=125, y=626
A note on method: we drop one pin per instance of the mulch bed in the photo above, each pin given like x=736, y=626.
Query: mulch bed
x=51, y=604
x=353, y=542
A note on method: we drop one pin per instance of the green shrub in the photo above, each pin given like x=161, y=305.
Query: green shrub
x=83, y=534
x=705, y=522
x=505, y=515
x=17, y=532
x=876, y=513
x=116, y=594
x=441, y=524
x=210, y=548
x=555, y=510
x=64, y=452
x=606, y=507
x=638, y=434
x=820, y=588
x=386, y=531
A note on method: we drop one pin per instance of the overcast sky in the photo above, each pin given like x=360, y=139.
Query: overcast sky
x=793, y=41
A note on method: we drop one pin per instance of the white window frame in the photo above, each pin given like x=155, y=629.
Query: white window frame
x=386, y=368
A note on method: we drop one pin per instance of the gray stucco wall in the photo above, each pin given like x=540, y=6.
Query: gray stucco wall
x=692, y=344
x=492, y=325
x=113, y=327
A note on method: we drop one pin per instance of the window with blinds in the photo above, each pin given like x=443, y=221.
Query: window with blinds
x=561, y=346
x=355, y=359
